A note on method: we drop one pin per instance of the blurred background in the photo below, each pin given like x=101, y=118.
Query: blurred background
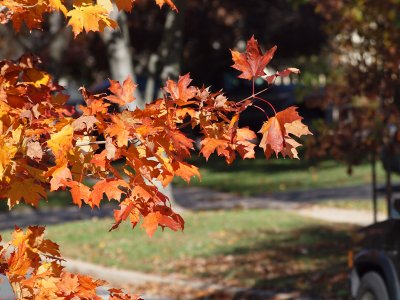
x=279, y=226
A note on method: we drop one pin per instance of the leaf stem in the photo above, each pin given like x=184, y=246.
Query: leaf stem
x=266, y=101
x=256, y=106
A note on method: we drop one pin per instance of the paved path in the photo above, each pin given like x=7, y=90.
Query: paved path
x=304, y=203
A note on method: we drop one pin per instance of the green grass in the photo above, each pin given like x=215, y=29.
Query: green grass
x=253, y=248
x=261, y=176
x=206, y=233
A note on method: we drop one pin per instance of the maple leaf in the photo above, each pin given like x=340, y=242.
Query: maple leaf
x=118, y=129
x=244, y=146
x=36, y=77
x=7, y=152
x=123, y=95
x=79, y=192
x=29, y=190
x=61, y=142
x=100, y=159
x=277, y=130
x=181, y=92
x=153, y=219
x=252, y=63
x=58, y=6
x=34, y=150
x=209, y=145
x=89, y=18
x=271, y=78
x=185, y=171
x=126, y=208
x=110, y=187
x=169, y=2
x=68, y=284
x=60, y=175
x=124, y=4
x=84, y=123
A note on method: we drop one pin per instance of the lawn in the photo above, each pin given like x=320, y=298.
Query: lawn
x=262, y=249
x=261, y=176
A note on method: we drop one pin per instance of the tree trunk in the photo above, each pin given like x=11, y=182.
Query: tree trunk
x=166, y=63
x=119, y=54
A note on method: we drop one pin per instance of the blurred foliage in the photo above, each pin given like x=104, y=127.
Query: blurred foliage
x=363, y=84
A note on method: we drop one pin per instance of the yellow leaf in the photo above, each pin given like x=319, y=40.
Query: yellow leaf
x=61, y=142
x=36, y=77
x=7, y=153
x=106, y=4
x=89, y=18
x=58, y=5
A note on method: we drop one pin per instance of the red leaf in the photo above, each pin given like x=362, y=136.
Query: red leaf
x=252, y=63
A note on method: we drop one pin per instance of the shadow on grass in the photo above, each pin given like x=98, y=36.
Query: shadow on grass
x=309, y=262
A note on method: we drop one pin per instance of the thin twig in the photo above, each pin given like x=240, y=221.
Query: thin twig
x=90, y=143
x=252, y=96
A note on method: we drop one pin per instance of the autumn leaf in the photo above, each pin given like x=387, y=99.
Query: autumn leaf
x=154, y=219
x=271, y=78
x=84, y=123
x=209, y=145
x=89, y=18
x=111, y=188
x=28, y=190
x=118, y=129
x=169, y=2
x=59, y=177
x=122, y=95
x=61, y=142
x=68, y=284
x=124, y=4
x=79, y=192
x=181, y=91
x=7, y=152
x=244, y=144
x=58, y=6
x=34, y=150
x=185, y=171
x=252, y=63
x=277, y=133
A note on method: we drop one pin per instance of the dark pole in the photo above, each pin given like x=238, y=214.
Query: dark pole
x=389, y=191
x=374, y=194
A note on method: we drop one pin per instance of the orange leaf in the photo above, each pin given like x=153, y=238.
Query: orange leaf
x=110, y=187
x=123, y=95
x=209, y=145
x=185, y=171
x=181, y=91
x=59, y=177
x=252, y=63
x=79, y=192
x=153, y=219
x=276, y=133
x=169, y=2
